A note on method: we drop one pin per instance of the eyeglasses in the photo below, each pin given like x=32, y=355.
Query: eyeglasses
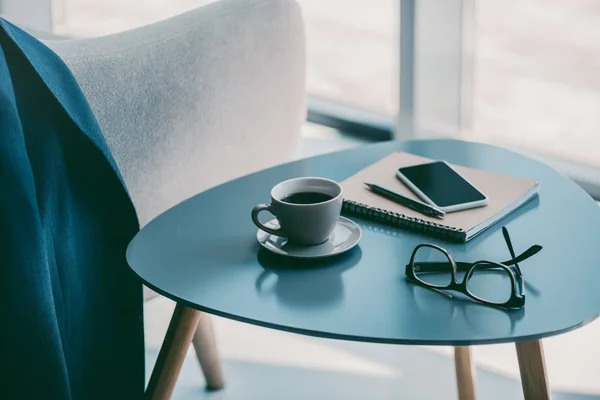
x=488, y=282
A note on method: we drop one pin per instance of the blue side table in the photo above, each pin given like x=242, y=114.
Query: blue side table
x=203, y=254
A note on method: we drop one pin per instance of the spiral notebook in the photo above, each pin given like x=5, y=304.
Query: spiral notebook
x=505, y=194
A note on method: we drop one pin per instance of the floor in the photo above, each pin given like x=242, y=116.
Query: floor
x=260, y=363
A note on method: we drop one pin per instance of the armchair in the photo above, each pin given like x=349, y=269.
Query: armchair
x=193, y=101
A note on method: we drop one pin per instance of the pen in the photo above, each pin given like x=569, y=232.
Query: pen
x=416, y=205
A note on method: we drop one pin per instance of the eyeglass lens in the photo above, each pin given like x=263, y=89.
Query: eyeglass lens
x=490, y=283
x=432, y=266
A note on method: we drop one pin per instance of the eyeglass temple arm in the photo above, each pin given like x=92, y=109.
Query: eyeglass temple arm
x=438, y=291
x=510, y=248
x=533, y=250
x=442, y=266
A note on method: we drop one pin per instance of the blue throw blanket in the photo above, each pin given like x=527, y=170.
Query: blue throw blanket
x=70, y=310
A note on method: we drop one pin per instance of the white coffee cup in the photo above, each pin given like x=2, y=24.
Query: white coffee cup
x=307, y=209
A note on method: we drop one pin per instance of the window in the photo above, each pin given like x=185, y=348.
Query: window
x=534, y=67
x=537, y=80
x=351, y=52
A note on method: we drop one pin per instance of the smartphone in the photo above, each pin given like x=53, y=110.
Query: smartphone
x=438, y=184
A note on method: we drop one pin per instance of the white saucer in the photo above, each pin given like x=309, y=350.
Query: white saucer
x=345, y=236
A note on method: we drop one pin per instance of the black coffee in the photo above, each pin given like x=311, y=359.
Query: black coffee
x=307, y=198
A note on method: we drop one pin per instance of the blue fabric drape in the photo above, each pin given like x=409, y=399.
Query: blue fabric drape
x=70, y=309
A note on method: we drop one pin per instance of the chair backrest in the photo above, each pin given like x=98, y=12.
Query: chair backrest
x=198, y=99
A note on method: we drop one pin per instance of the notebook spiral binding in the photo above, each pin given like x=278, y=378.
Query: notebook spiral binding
x=403, y=221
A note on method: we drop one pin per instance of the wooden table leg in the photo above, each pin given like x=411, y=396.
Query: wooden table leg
x=533, y=370
x=172, y=352
x=206, y=351
x=465, y=373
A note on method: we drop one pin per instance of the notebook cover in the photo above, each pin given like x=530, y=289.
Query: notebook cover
x=502, y=191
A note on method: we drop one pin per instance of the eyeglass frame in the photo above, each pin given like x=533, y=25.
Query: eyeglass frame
x=516, y=300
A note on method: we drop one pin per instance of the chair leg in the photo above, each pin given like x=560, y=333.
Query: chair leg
x=464, y=373
x=172, y=353
x=206, y=351
x=533, y=370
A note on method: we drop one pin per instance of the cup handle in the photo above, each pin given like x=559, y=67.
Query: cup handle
x=265, y=207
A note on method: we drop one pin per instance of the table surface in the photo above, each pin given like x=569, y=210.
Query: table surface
x=203, y=253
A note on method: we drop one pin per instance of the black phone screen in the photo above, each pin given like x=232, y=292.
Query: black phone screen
x=444, y=186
